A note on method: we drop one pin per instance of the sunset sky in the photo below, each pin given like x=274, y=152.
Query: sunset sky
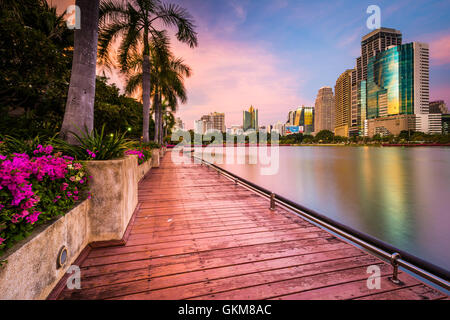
x=276, y=54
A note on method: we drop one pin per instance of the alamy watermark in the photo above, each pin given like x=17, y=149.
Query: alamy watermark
x=374, y=20
x=74, y=280
x=73, y=17
x=235, y=149
x=374, y=280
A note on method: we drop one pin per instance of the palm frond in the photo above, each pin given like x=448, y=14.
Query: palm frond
x=174, y=15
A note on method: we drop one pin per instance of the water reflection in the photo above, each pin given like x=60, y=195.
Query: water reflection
x=399, y=195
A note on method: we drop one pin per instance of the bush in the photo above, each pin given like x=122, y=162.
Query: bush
x=143, y=150
x=35, y=189
x=143, y=154
x=96, y=145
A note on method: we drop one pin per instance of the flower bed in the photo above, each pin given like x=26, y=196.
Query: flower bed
x=143, y=154
x=37, y=188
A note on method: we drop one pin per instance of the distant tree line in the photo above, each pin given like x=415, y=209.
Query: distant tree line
x=322, y=137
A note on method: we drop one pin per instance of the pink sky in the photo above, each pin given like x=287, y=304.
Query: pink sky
x=229, y=75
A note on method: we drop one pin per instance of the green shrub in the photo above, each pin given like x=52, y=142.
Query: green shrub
x=96, y=145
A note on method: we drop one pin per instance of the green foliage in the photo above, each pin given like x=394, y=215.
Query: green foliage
x=150, y=145
x=324, y=136
x=12, y=145
x=96, y=145
x=116, y=111
x=35, y=60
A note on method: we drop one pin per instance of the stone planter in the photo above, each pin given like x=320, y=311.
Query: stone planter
x=143, y=169
x=155, y=158
x=31, y=270
x=114, y=197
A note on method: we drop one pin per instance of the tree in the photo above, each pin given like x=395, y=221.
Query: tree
x=136, y=22
x=168, y=75
x=324, y=136
x=79, y=113
x=35, y=62
x=116, y=111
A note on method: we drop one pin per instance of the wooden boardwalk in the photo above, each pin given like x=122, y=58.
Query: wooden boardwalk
x=198, y=236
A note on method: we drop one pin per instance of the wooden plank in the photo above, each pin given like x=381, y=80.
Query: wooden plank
x=199, y=236
x=418, y=292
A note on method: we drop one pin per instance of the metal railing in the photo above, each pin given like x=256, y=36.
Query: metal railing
x=396, y=257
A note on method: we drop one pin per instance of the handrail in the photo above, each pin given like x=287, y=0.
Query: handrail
x=397, y=257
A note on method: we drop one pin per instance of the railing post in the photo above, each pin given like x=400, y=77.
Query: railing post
x=235, y=182
x=394, y=262
x=272, y=201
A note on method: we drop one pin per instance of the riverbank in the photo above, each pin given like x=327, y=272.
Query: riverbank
x=321, y=145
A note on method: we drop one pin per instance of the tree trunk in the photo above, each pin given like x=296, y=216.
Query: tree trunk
x=161, y=127
x=146, y=97
x=156, y=111
x=79, y=112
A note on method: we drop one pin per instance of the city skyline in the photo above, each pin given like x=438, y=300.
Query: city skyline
x=277, y=54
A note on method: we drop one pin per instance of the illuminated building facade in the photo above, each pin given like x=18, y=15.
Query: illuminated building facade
x=250, y=119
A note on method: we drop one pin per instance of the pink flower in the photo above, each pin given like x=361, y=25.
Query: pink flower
x=32, y=218
x=2, y=240
x=91, y=153
x=72, y=178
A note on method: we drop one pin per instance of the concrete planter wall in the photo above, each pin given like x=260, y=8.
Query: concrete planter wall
x=143, y=169
x=31, y=270
x=155, y=158
x=114, y=197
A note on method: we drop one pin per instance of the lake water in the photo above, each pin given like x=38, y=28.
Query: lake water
x=399, y=195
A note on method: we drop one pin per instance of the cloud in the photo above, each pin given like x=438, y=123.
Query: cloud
x=441, y=92
x=440, y=50
x=229, y=76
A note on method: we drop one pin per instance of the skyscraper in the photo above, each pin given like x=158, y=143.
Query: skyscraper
x=303, y=118
x=199, y=126
x=324, y=110
x=343, y=103
x=398, y=91
x=214, y=121
x=376, y=41
x=438, y=106
x=250, y=119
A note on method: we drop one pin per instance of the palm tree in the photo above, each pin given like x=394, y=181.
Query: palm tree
x=167, y=74
x=79, y=113
x=136, y=22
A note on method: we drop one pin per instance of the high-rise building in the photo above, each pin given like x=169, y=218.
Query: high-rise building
x=179, y=125
x=279, y=127
x=200, y=126
x=324, y=110
x=214, y=121
x=398, y=88
x=372, y=43
x=250, y=119
x=438, y=106
x=376, y=41
x=303, y=118
x=291, y=118
x=343, y=103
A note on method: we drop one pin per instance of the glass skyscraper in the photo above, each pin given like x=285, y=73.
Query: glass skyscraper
x=250, y=119
x=390, y=82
